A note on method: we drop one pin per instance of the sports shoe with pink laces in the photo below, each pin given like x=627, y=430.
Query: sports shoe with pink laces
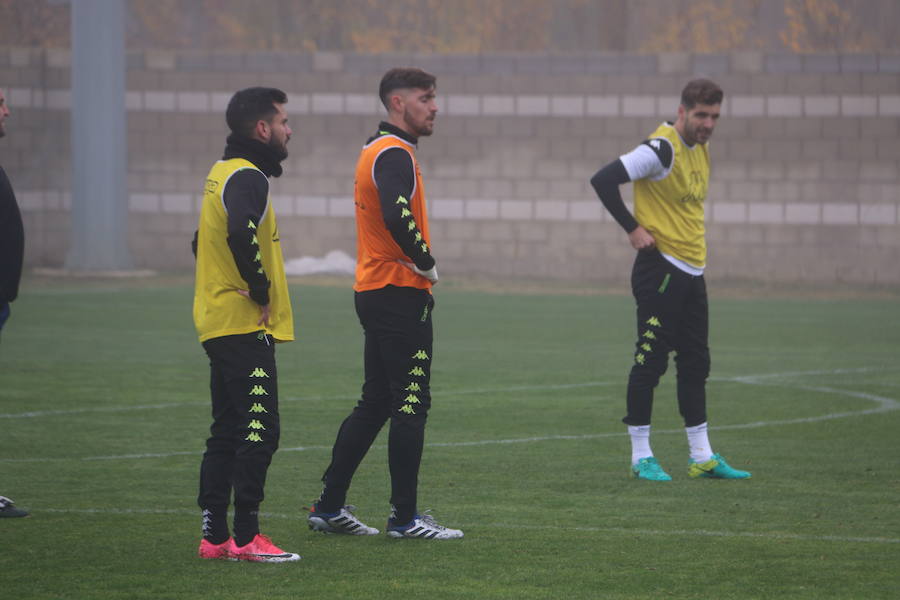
x=216, y=551
x=261, y=549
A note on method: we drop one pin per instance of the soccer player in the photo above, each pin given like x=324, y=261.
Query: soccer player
x=241, y=309
x=670, y=171
x=12, y=249
x=394, y=274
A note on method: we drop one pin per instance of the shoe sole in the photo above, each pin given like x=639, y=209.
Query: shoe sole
x=398, y=536
x=266, y=559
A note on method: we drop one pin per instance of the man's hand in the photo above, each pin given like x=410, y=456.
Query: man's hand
x=431, y=274
x=640, y=239
x=264, y=310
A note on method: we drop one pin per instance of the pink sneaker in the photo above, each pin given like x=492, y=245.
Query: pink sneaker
x=221, y=551
x=261, y=549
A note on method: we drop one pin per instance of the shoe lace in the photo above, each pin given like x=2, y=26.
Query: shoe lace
x=264, y=543
x=428, y=519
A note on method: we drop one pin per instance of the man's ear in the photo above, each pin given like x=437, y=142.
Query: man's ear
x=263, y=130
x=396, y=101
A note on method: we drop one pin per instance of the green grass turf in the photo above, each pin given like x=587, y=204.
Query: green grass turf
x=104, y=410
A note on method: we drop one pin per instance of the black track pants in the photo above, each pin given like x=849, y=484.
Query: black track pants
x=245, y=429
x=397, y=357
x=672, y=315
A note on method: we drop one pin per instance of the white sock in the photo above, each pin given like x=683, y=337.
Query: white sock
x=698, y=442
x=640, y=442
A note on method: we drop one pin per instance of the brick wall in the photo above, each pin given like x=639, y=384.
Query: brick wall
x=806, y=159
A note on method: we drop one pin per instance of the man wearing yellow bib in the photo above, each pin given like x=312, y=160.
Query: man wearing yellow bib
x=670, y=171
x=241, y=309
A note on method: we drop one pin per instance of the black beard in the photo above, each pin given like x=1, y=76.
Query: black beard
x=279, y=150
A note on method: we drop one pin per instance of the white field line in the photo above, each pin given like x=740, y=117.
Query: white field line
x=884, y=404
x=104, y=512
x=749, y=379
x=127, y=408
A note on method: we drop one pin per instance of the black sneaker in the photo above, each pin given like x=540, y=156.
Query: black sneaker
x=8, y=509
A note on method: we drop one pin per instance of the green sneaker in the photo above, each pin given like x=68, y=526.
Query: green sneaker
x=716, y=468
x=649, y=469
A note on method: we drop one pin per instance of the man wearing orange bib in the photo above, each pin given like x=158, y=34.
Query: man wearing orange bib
x=394, y=274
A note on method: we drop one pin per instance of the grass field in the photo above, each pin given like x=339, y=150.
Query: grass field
x=104, y=411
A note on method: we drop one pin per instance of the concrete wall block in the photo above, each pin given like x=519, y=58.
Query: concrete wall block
x=859, y=106
x=58, y=99
x=888, y=149
x=496, y=188
x=30, y=201
x=177, y=203
x=160, y=101
x=361, y=104
x=463, y=104
x=840, y=214
x=821, y=63
x=532, y=106
x=859, y=63
x=889, y=105
x=784, y=106
x=879, y=127
x=783, y=191
x=590, y=210
x=551, y=210
x=821, y=106
x=821, y=149
x=497, y=231
x=747, y=106
x=492, y=104
x=341, y=207
x=710, y=65
x=769, y=213
x=639, y=106
x=765, y=171
x=327, y=104
x=728, y=212
x=567, y=106
x=880, y=171
x=58, y=58
x=192, y=102
x=602, y=106
x=22, y=57
x=750, y=191
x=784, y=63
x=327, y=61
x=160, y=60
x=805, y=84
x=463, y=231
x=674, y=62
x=878, y=214
x=603, y=63
x=482, y=209
x=18, y=98
x=447, y=208
x=516, y=210
x=531, y=188
x=802, y=213
x=310, y=206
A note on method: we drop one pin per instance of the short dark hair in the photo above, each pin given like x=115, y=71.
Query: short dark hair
x=701, y=91
x=249, y=106
x=402, y=78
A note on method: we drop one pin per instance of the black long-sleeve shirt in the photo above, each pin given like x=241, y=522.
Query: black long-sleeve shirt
x=12, y=241
x=246, y=198
x=395, y=176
